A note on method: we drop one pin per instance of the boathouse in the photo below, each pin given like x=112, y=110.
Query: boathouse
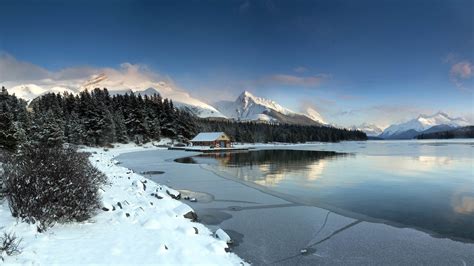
x=212, y=139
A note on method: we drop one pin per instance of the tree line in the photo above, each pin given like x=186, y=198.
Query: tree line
x=457, y=133
x=97, y=118
x=91, y=118
x=252, y=132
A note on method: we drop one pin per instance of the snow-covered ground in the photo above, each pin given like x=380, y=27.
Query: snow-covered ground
x=134, y=228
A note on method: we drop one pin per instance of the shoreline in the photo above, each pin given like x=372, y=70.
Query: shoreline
x=205, y=183
x=134, y=210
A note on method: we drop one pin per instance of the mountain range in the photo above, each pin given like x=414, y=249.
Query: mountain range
x=423, y=124
x=370, y=129
x=247, y=107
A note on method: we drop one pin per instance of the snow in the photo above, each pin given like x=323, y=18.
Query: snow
x=221, y=234
x=424, y=122
x=137, y=228
x=29, y=92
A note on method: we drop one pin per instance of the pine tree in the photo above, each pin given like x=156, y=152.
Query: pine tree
x=47, y=130
x=8, y=134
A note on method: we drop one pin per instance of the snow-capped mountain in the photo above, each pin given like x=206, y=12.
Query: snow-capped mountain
x=28, y=92
x=248, y=107
x=180, y=98
x=412, y=127
x=370, y=129
x=314, y=115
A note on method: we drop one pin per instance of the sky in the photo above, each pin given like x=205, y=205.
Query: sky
x=378, y=61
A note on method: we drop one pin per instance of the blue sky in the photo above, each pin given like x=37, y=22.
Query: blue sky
x=354, y=61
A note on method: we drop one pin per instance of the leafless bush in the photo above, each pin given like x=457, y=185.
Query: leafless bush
x=51, y=184
x=9, y=245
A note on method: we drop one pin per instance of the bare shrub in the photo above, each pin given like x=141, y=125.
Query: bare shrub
x=51, y=184
x=9, y=245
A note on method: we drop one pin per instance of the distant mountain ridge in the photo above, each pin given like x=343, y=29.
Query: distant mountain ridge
x=423, y=123
x=248, y=107
x=370, y=129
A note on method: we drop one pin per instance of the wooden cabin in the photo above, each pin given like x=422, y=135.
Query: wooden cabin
x=212, y=139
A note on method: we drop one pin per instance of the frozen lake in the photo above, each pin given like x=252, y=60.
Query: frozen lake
x=346, y=203
x=424, y=185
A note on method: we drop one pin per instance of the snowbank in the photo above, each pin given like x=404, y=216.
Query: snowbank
x=138, y=224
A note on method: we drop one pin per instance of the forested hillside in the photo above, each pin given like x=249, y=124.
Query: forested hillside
x=97, y=119
x=263, y=132
x=457, y=133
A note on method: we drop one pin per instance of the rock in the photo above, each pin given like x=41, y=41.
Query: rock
x=196, y=230
x=139, y=185
x=127, y=214
x=186, y=198
x=191, y=215
x=173, y=193
x=185, y=211
x=107, y=206
x=222, y=235
x=120, y=205
x=156, y=196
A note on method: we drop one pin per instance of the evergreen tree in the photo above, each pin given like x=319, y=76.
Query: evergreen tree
x=47, y=130
x=8, y=134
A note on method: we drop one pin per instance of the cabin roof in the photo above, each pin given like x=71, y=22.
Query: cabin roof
x=208, y=136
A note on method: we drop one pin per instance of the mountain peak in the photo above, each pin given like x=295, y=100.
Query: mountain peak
x=248, y=107
x=246, y=94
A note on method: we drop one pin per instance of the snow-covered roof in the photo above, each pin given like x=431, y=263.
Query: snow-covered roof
x=208, y=136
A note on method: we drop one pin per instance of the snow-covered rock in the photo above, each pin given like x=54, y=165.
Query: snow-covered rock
x=222, y=235
x=173, y=193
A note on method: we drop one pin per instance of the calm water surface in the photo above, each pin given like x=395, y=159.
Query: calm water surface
x=425, y=185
